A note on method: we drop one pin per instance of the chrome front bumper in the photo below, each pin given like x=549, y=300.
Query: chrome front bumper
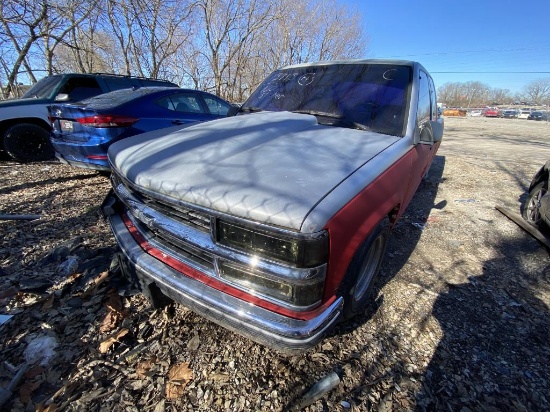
x=261, y=325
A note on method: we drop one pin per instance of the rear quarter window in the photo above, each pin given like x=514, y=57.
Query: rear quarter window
x=79, y=88
x=186, y=103
x=117, y=83
x=216, y=106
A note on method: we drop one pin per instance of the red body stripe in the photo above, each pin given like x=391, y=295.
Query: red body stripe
x=216, y=284
x=352, y=224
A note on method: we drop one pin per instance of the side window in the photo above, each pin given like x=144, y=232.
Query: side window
x=166, y=102
x=117, y=83
x=79, y=88
x=216, y=106
x=433, y=100
x=424, y=109
x=424, y=99
x=186, y=103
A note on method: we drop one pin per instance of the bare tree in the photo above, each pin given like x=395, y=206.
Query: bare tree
x=34, y=28
x=22, y=26
x=64, y=17
x=149, y=32
x=247, y=39
x=229, y=25
x=85, y=47
x=472, y=94
x=537, y=92
x=500, y=96
x=94, y=52
x=224, y=46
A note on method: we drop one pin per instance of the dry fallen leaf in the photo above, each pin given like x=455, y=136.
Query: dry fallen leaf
x=109, y=321
x=115, y=312
x=92, y=289
x=219, y=377
x=143, y=367
x=107, y=343
x=34, y=371
x=26, y=390
x=113, y=301
x=194, y=343
x=50, y=408
x=48, y=303
x=178, y=376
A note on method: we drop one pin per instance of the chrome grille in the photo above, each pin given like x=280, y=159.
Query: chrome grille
x=188, y=220
x=167, y=242
x=182, y=214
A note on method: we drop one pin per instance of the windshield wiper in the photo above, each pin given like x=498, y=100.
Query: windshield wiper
x=250, y=109
x=342, y=121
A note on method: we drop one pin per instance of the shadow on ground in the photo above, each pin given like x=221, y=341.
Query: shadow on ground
x=494, y=351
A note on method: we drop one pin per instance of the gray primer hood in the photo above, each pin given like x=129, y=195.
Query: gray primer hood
x=271, y=167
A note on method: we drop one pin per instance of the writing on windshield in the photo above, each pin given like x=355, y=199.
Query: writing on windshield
x=371, y=95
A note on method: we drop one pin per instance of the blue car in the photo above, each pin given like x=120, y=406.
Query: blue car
x=82, y=132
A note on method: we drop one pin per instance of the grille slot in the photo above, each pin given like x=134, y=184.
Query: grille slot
x=167, y=242
x=163, y=239
x=187, y=216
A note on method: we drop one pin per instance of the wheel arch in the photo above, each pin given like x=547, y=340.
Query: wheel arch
x=366, y=260
x=6, y=124
x=371, y=220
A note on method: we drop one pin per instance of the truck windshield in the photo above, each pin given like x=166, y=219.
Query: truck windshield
x=44, y=88
x=371, y=95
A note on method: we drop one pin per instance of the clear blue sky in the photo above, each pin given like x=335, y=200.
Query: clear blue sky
x=463, y=36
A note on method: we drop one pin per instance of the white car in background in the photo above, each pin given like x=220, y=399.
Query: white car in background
x=524, y=113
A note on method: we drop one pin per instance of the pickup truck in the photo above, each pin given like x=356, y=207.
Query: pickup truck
x=274, y=222
x=24, y=124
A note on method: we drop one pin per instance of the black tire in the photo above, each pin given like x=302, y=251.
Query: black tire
x=363, y=270
x=28, y=143
x=531, y=210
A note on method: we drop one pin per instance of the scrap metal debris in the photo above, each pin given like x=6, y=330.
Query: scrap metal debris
x=520, y=221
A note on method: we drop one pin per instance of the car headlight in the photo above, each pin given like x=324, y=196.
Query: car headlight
x=302, y=252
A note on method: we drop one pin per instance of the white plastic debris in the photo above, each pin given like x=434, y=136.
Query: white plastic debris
x=41, y=350
x=69, y=266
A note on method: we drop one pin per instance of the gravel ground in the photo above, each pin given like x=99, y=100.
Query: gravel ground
x=459, y=319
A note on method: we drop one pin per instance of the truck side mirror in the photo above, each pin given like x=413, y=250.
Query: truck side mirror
x=437, y=129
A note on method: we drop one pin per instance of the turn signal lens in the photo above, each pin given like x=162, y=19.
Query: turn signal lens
x=260, y=283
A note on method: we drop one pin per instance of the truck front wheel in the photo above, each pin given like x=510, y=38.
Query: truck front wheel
x=28, y=143
x=365, y=265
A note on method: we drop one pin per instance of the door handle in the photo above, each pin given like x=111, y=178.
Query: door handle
x=178, y=122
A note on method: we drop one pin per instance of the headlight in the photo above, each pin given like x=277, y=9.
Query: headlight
x=298, y=251
x=305, y=294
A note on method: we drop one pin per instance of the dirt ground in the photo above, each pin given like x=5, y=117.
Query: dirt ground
x=459, y=319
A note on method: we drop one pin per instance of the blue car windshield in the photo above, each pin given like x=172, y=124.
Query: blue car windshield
x=370, y=95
